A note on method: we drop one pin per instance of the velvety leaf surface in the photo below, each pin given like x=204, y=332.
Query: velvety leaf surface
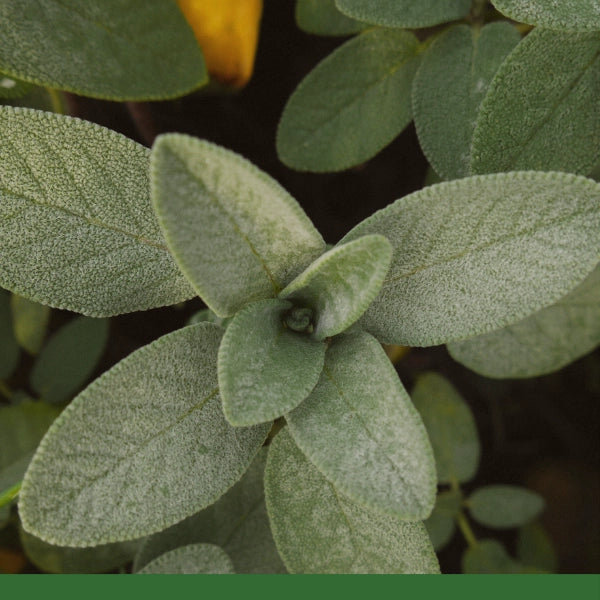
x=352, y=104
x=340, y=285
x=10, y=87
x=360, y=429
x=452, y=80
x=480, y=253
x=236, y=233
x=115, y=49
x=489, y=557
x=542, y=110
x=194, y=559
x=118, y=463
x=535, y=548
x=266, y=369
x=441, y=524
x=9, y=348
x=451, y=428
x=321, y=17
x=30, y=320
x=76, y=220
x=318, y=530
x=544, y=342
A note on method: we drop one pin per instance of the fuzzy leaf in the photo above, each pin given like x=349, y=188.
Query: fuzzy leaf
x=440, y=524
x=318, y=530
x=76, y=221
x=535, y=548
x=489, y=557
x=480, y=253
x=340, y=285
x=542, y=110
x=118, y=463
x=352, y=104
x=236, y=233
x=409, y=14
x=504, y=506
x=9, y=348
x=359, y=427
x=11, y=87
x=194, y=559
x=321, y=17
x=69, y=358
x=450, y=84
x=451, y=428
x=116, y=49
x=544, y=342
x=30, y=321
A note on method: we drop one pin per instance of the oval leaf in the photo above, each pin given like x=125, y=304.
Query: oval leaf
x=318, y=530
x=118, y=463
x=321, y=17
x=236, y=233
x=352, y=104
x=489, y=557
x=194, y=559
x=9, y=348
x=30, y=321
x=480, y=253
x=359, y=427
x=535, y=548
x=441, y=524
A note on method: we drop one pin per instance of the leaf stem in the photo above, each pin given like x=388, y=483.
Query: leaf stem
x=57, y=103
x=7, y=496
x=478, y=9
x=465, y=529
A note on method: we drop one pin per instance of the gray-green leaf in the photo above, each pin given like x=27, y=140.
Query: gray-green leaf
x=441, y=524
x=535, y=548
x=542, y=110
x=194, y=559
x=359, y=427
x=236, y=233
x=9, y=348
x=318, y=530
x=76, y=222
x=489, y=557
x=481, y=253
x=140, y=449
x=265, y=368
x=30, y=321
x=352, y=104
x=114, y=49
x=321, y=17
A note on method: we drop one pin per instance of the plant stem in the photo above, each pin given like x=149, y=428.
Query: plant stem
x=465, y=529
x=57, y=103
x=478, y=9
x=7, y=496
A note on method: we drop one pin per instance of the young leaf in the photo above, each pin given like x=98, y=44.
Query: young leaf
x=359, y=427
x=489, y=557
x=544, y=342
x=321, y=17
x=9, y=349
x=541, y=110
x=236, y=233
x=535, y=549
x=340, y=285
x=30, y=321
x=450, y=84
x=141, y=448
x=441, y=524
x=480, y=253
x=116, y=49
x=352, y=104
x=504, y=506
x=69, y=358
x=318, y=530
x=11, y=87
x=451, y=428
x=193, y=559
x=265, y=368
x=76, y=221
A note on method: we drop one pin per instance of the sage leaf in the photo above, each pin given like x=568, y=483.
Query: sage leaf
x=360, y=429
x=441, y=523
x=352, y=104
x=504, y=506
x=452, y=80
x=76, y=220
x=118, y=463
x=542, y=343
x=481, y=253
x=236, y=234
x=319, y=530
x=340, y=285
x=321, y=17
x=266, y=369
x=451, y=428
x=562, y=15
x=116, y=49
x=9, y=348
x=542, y=110
x=193, y=559
x=11, y=87
x=30, y=321
x=489, y=557
x=535, y=548
x=69, y=358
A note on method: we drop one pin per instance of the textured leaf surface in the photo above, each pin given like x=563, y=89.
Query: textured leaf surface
x=542, y=110
x=451, y=428
x=359, y=427
x=489, y=557
x=440, y=524
x=318, y=530
x=321, y=17
x=480, y=253
x=116, y=49
x=69, y=358
x=408, y=14
x=340, y=285
x=535, y=548
x=236, y=233
x=544, y=342
x=76, y=220
x=452, y=80
x=30, y=320
x=9, y=349
x=504, y=506
x=266, y=369
x=118, y=463
x=352, y=104
x=194, y=559
x=562, y=15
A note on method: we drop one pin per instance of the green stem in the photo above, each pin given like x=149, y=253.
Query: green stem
x=56, y=99
x=465, y=529
x=5, y=390
x=7, y=496
x=478, y=9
